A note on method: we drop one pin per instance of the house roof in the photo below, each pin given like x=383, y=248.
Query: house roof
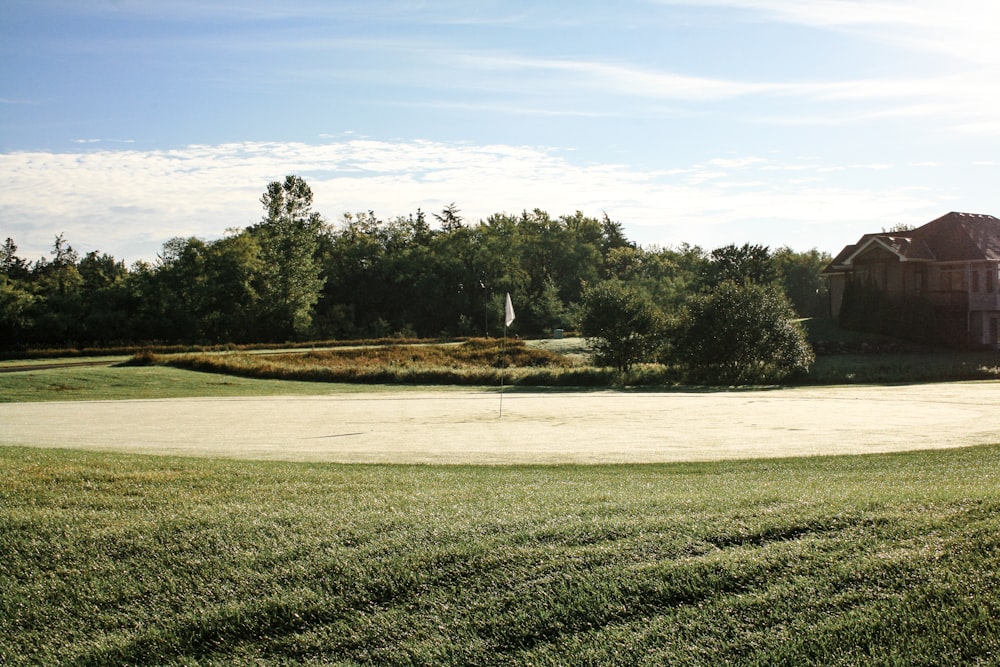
x=955, y=237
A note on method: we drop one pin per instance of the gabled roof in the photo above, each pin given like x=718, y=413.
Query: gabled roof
x=955, y=237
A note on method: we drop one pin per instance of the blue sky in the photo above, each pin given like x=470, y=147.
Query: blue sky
x=805, y=123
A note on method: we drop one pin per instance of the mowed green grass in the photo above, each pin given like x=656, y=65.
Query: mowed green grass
x=874, y=560
x=95, y=383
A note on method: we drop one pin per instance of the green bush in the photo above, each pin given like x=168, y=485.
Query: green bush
x=740, y=334
x=621, y=324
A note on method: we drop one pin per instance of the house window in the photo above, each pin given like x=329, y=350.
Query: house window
x=975, y=280
x=990, y=273
x=953, y=279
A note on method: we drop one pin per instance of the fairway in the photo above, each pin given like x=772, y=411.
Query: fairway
x=543, y=427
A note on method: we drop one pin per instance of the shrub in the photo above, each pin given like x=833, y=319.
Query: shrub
x=620, y=323
x=740, y=334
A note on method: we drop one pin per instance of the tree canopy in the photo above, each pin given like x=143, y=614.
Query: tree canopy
x=295, y=276
x=740, y=333
x=621, y=323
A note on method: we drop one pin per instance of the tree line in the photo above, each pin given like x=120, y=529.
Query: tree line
x=294, y=276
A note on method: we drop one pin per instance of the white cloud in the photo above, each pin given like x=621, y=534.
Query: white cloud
x=967, y=30
x=963, y=100
x=128, y=202
x=961, y=94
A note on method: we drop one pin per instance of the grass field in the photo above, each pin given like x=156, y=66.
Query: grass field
x=118, y=383
x=876, y=560
x=542, y=363
x=109, y=558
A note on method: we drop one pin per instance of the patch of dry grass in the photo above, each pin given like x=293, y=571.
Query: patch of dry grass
x=473, y=362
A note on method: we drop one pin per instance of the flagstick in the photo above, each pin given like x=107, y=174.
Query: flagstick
x=508, y=317
x=503, y=367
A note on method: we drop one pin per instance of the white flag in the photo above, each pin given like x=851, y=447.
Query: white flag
x=508, y=312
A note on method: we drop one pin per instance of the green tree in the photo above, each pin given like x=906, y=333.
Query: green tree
x=613, y=236
x=668, y=275
x=15, y=311
x=60, y=274
x=741, y=264
x=177, y=298
x=11, y=265
x=547, y=310
x=16, y=299
x=106, y=317
x=800, y=273
x=290, y=278
x=449, y=218
x=229, y=297
x=620, y=322
x=740, y=333
x=57, y=312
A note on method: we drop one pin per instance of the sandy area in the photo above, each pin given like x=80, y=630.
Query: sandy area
x=588, y=427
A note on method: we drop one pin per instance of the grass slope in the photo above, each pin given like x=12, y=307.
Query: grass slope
x=146, y=382
x=114, y=559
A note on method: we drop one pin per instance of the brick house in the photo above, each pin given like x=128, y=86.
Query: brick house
x=947, y=269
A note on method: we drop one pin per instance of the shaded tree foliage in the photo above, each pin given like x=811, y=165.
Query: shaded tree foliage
x=737, y=334
x=800, y=274
x=292, y=276
x=866, y=307
x=620, y=322
x=746, y=264
x=290, y=279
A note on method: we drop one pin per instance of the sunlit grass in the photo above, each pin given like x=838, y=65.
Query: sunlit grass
x=115, y=559
x=354, y=366
x=147, y=382
x=899, y=367
x=476, y=362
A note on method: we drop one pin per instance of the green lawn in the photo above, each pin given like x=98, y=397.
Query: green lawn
x=115, y=559
x=93, y=383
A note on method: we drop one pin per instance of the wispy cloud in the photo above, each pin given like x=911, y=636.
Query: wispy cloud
x=966, y=30
x=961, y=91
x=961, y=102
x=621, y=79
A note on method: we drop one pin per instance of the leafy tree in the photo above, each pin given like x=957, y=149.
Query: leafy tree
x=866, y=307
x=16, y=299
x=58, y=308
x=613, y=236
x=106, y=315
x=741, y=264
x=547, y=310
x=800, y=274
x=99, y=271
x=620, y=322
x=60, y=274
x=449, y=218
x=230, y=298
x=15, y=310
x=740, y=333
x=11, y=265
x=668, y=275
x=289, y=238
x=177, y=297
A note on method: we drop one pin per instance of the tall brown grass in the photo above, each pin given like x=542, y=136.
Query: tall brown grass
x=483, y=362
